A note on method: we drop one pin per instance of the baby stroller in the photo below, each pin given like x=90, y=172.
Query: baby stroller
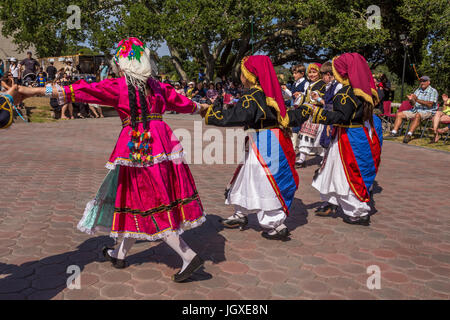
x=30, y=80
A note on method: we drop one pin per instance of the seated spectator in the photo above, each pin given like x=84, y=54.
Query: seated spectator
x=7, y=81
x=212, y=93
x=81, y=109
x=236, y=98
x=190, y=90
x=219, y=89
x=96, y=109
x=441, y=116
x=199, y=92
x=179, y=89
x=233, y=90
x=184, y=86
x=424, y=100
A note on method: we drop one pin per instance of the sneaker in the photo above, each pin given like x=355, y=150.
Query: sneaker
x=407, y=138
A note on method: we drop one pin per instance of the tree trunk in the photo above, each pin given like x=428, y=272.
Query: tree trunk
x=176, y=60
x=210, y=62
x=244, y=47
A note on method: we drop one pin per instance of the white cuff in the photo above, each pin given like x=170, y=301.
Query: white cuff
x=197, y=110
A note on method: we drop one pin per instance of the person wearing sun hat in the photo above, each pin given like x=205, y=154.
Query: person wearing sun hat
x=353, y=158
x=309, y=134
x=266, y=181
x=149, y=193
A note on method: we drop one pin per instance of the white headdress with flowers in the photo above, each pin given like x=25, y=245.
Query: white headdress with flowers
x=133, y=59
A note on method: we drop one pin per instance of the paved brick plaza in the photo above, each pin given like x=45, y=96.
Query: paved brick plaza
x=48, y=172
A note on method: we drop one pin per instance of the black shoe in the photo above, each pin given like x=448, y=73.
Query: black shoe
x=326, y=211
x=391, y=136
x=363, y=221
x=407, y=138
x=282, y=235
x=116, y=263
x=232, y=223
x=106, y=254
x=300, y=165
x=195, y=264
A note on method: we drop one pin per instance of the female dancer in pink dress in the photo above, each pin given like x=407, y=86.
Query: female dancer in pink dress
x=149, y=192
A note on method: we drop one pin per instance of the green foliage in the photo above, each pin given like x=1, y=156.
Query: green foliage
x=42, y=24
x=216, y=35
x=429, y=24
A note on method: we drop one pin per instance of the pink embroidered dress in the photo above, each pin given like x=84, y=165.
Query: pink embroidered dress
x=142, y=200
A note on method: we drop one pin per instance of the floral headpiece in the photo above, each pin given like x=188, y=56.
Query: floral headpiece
x=133, y=58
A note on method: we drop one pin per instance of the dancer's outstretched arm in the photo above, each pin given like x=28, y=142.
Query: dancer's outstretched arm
x=105, y=92
x=179, y=103
x=247, y=111
x=344, y=106
x=13, y=95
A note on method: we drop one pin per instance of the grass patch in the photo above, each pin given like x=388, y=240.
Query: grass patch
x=424, y=142
x=40, y=114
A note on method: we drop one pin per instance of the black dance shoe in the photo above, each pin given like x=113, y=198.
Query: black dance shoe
x=282, y=235
x=116, y=263
x=300, y=165
x=362, y=221
x=326, y=211
x=195, y=264
x=106, y=254
x=232, y=223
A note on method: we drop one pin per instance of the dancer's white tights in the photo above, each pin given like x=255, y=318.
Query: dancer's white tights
x=174, y=241
x=184, y=251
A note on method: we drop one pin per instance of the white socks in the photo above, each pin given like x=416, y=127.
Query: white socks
x=277, y=229
x=176, y=243
x=409, y=133
x=121, y=251
x=394, y=131
x=301, y=158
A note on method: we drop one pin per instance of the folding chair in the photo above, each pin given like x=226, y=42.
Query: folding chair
x=428, y=124
x=387, y=118
x=447, y=123
x=405, y=106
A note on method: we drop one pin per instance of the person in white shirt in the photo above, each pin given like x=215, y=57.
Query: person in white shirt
x=14, y=69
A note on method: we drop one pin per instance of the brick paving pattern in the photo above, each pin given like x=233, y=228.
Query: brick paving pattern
x=50, y=171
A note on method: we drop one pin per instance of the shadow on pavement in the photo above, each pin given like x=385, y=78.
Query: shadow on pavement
x=205, y=240
x=48, y=275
